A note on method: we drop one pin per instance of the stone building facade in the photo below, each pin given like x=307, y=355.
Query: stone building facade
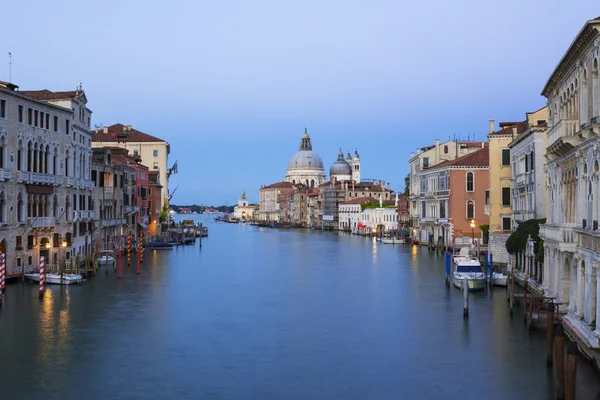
x=571, y=235
x=45, y=155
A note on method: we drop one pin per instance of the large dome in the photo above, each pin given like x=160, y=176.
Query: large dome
x=305, y=159
x=305, y=167
x=340, y=169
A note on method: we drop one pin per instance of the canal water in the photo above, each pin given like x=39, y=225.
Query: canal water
x=271, y=315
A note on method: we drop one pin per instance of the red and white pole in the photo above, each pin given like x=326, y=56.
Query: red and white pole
x=2, y=272
x=42, y=276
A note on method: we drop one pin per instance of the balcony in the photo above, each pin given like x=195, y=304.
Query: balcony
x=69, y=181
x=42, y=222
x=564, y=236
x=486, y=209
x=5, y=174
x=60, y=180
x=521, y=179
x=131, y=209
x=107, y=222
x=563, y=136
x=79, y=215
x=108, y=190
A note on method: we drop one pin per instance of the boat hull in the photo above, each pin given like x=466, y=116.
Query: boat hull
x=474, y=284
x=392, y=241
x=67, y=279
x=105, y=260
x=501, y=280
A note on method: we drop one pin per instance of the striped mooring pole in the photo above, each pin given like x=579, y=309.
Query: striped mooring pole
x=141, y=247
x=2, y=275
x=129, y=249
x=42, y=276
x=2, y=272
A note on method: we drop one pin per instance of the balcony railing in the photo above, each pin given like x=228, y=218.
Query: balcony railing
x=131, y=209
x=112, y=222
x=5, y=174
x=563, y=235
x=520, y=179
x=42, y=222
x=108, y=190
x=69, y=181
x=564, y=128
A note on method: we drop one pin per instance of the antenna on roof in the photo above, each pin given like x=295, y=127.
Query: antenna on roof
x=10, y=67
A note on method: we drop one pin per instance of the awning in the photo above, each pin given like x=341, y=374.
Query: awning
x=144, y=226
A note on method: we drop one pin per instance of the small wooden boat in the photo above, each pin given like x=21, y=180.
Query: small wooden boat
x=159, y=246
x=53, y=278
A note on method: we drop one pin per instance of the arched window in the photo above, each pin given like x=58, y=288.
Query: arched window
x=470, y=182
x=470, y=209
x=445, y=149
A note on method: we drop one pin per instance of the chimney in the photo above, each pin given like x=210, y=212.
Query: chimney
x=482, y=145
x=96, y=129
x=412, y=155
x=492, y=123
x=514, y=131
x=128, y=127
x=437, y=142
x=105, y=130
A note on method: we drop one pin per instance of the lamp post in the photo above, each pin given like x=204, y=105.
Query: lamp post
x=473, y=230
x=62, y=266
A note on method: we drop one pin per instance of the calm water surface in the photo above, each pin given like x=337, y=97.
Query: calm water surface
x=271, y=315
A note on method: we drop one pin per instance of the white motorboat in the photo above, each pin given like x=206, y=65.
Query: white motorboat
x=105, y=257
x=470, y=268
x=499, y=279
x=53, y=278
x=392, y=241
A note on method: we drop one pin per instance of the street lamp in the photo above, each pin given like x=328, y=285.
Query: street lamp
x=473, y=230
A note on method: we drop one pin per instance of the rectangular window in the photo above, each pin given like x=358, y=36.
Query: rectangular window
x=442, y=209
x=155, y=153
x=41, y=120
x=155, y=165
x=94, y=176
x=2, y=108
x=21, y=114
x=425, y=162
x=487, y=196
x=35, y=117
x=47, y=121
x=423, y=209
x=29, y=116
x=149, y=191
x=135, y=153
x=505, y=156
x=531, y=160
x=67, y=126
x=55, y=123
x=19, y=244
x=506, y=196
x=506, y=224
x=30, y=242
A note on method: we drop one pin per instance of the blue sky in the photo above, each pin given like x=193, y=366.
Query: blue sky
x=232, y=84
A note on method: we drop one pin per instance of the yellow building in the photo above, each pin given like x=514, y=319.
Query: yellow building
x=499, y=198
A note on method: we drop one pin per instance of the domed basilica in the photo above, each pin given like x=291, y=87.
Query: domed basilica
x=306, y=167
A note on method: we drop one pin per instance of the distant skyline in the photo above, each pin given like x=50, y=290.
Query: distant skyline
x=231, y=85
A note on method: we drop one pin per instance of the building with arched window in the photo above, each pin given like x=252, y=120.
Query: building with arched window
x=45, y=156
x=572, y=188
x=453, y=193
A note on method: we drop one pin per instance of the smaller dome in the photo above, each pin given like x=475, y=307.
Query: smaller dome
x=356, y=157
x=348, y=157
x=340, y=168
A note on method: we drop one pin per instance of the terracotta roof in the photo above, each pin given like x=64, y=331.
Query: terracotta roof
x=480, y=158
x=507, y=128
x=46, y=94
x=279, y=185
x=359, y=200
x=115, y=130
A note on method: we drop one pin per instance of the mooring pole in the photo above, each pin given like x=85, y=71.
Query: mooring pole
x=559, y=353
x=42, y=277
x=466, y=298
x=571, y=375
x=549, y=334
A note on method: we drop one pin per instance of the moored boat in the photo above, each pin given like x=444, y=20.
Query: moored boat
x=105, y=257
x=392, y=241
x=499, y=279
x=470, y=268
x=53, y=278
x=159, y=245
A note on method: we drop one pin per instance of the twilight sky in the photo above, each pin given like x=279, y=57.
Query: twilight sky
x=232, y=84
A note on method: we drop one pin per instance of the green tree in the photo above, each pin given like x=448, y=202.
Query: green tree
x=407, y=184
x=517, y=241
